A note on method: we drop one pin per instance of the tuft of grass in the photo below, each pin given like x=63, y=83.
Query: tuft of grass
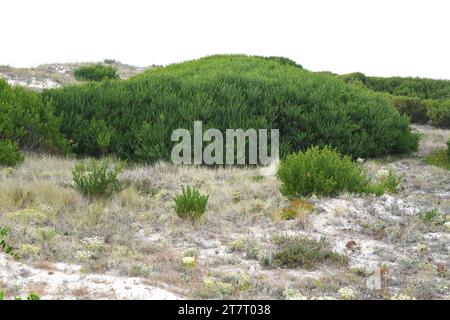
x=190, y=203
x=300, y=252
x=439, y=158
x=296, y=209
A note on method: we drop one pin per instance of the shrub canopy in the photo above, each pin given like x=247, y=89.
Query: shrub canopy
x=29, y=121
x=135, y=118
x=97, y=72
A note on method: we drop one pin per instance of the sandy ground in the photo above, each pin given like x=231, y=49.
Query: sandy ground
x=62, y=281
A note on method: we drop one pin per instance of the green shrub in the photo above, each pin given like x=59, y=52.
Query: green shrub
x=448, y=148
x=354, y=77
x=29, y=120
x=9, y=154
x=412, y=87
x=390, y=182
x=190, y=203
x=230, y=91
x=97, y=72
x=97, y=178
x=321, y=171
x=414, y=108
x=299, y=252
x=439, y=112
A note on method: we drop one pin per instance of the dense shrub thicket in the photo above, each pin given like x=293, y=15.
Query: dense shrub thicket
x=414, y=108
x=439, y=112
x=29, y=121
x=97, y=72
x=421, y=99
x=412, y=87
x=135, y=118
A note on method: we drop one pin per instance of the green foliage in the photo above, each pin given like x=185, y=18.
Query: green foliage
x=440, y=158
x=33, y=296
x=190, y=203
x=321, y=171
x=420, y=99
x=4, y=246
x=97, y=72
x=97, y=178
x=414, y=108
x=429, y=216
x=285, y=61
x=9, y=154
x=229, y=91
x=439, y=112
x=2, y=295
x=390, y=182
x=299, y=252
x=412, y=87
x=28, y=120
x=448, y=148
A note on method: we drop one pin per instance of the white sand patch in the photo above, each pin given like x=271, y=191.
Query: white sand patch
x=67, y=282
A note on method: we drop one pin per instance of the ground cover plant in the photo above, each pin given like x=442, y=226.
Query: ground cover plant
x=138, y=115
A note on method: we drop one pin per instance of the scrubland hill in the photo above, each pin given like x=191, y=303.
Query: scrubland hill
x=78, y=222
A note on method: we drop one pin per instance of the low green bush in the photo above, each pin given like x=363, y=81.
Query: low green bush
x=97, y=178
x=300, y=252
x=190, y=203
x=321, y=171
x=29, y=120
x=10, y=154
x=324, y=171
x=439, y=112
x=414, y=108
x=97, y=72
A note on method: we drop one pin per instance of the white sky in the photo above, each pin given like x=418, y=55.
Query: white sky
x=379, y=37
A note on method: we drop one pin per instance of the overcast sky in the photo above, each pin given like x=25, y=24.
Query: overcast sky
x=379, y=37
